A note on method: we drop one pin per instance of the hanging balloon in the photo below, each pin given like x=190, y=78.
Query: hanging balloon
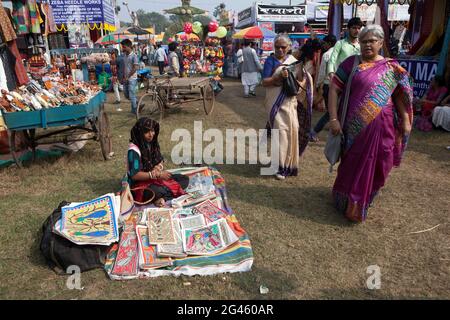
x=221, y=32
x=187, y=28
x=183, y=37
x=197, y=27
x=170, y=40
x=213, y=26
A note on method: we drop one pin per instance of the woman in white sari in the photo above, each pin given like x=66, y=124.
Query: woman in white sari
x=291, y=115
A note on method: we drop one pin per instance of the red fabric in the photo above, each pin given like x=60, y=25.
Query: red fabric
x=174, y=187
x=21, y=73
x=433, y=95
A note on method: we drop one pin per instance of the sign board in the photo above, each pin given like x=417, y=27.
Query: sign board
x=108, y=12
x=321, y=13
x=245, y=14
x=277, y=13
x=245, y=18
x=421, y=70
x=267, y=44
x=83, y=11
x=267, y=25
x=396, y=12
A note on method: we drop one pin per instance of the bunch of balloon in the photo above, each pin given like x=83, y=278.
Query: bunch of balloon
x=197, y=27
x=221, y=32
x=188, y=28
x=213, y=26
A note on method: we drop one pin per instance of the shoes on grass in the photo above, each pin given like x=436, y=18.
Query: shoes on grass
x=280, y=177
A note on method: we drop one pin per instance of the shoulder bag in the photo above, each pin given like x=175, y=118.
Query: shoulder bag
x=333, y=147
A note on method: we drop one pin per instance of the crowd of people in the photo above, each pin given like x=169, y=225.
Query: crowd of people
x=367, y=98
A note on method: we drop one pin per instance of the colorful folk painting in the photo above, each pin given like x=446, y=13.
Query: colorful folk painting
x=127, y=258
x=210, y=211
x=148, y=258
x=160, y=230
x=228, y=235
x=173, y=250
x=200, y=182
x=193, y=222
x=93, y=222
x=182, y=213
x=203, y=241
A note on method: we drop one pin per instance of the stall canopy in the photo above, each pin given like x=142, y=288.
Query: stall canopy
x=254, y=33
x=97, y=13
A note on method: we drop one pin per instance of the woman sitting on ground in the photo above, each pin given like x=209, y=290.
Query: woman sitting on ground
x=145, y=166
x=432, y=98
x=429, y=101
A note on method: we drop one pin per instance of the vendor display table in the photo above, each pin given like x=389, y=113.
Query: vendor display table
x=84, y=118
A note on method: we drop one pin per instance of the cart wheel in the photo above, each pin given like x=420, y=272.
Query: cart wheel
x=12, y=147
x=104, y=135
x=150, y=105
x=208, y=98
x=164, y=98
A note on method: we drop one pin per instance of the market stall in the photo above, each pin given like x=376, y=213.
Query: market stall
x=194, y=234
x=202, y=58
x=263, y=37
x=76, y=108
x=91, y=65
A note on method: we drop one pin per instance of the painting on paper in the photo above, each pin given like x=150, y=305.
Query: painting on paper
x=203, y=241
x=148, y=258
x=210, y=211
x=92, y=222
x=126, y=263
x=160, y=230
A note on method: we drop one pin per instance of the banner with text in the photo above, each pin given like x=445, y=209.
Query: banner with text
x=83, y=11
x=422, y=70
x=281, y=13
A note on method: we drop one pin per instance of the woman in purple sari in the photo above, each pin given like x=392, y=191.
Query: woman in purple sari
x=376, y=127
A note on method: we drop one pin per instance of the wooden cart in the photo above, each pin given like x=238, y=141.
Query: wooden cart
x=84, y=118
x=164, y=93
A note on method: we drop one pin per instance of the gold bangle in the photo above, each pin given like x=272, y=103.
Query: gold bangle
x=334, y=119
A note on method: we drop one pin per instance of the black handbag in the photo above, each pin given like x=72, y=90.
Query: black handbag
x=290, y=85
x=60, y=253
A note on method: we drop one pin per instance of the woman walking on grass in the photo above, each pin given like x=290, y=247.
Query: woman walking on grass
x=377, y=123
x=291, y=115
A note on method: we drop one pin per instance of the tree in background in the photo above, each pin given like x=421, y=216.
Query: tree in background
x=152, y=19
x=182, y=14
